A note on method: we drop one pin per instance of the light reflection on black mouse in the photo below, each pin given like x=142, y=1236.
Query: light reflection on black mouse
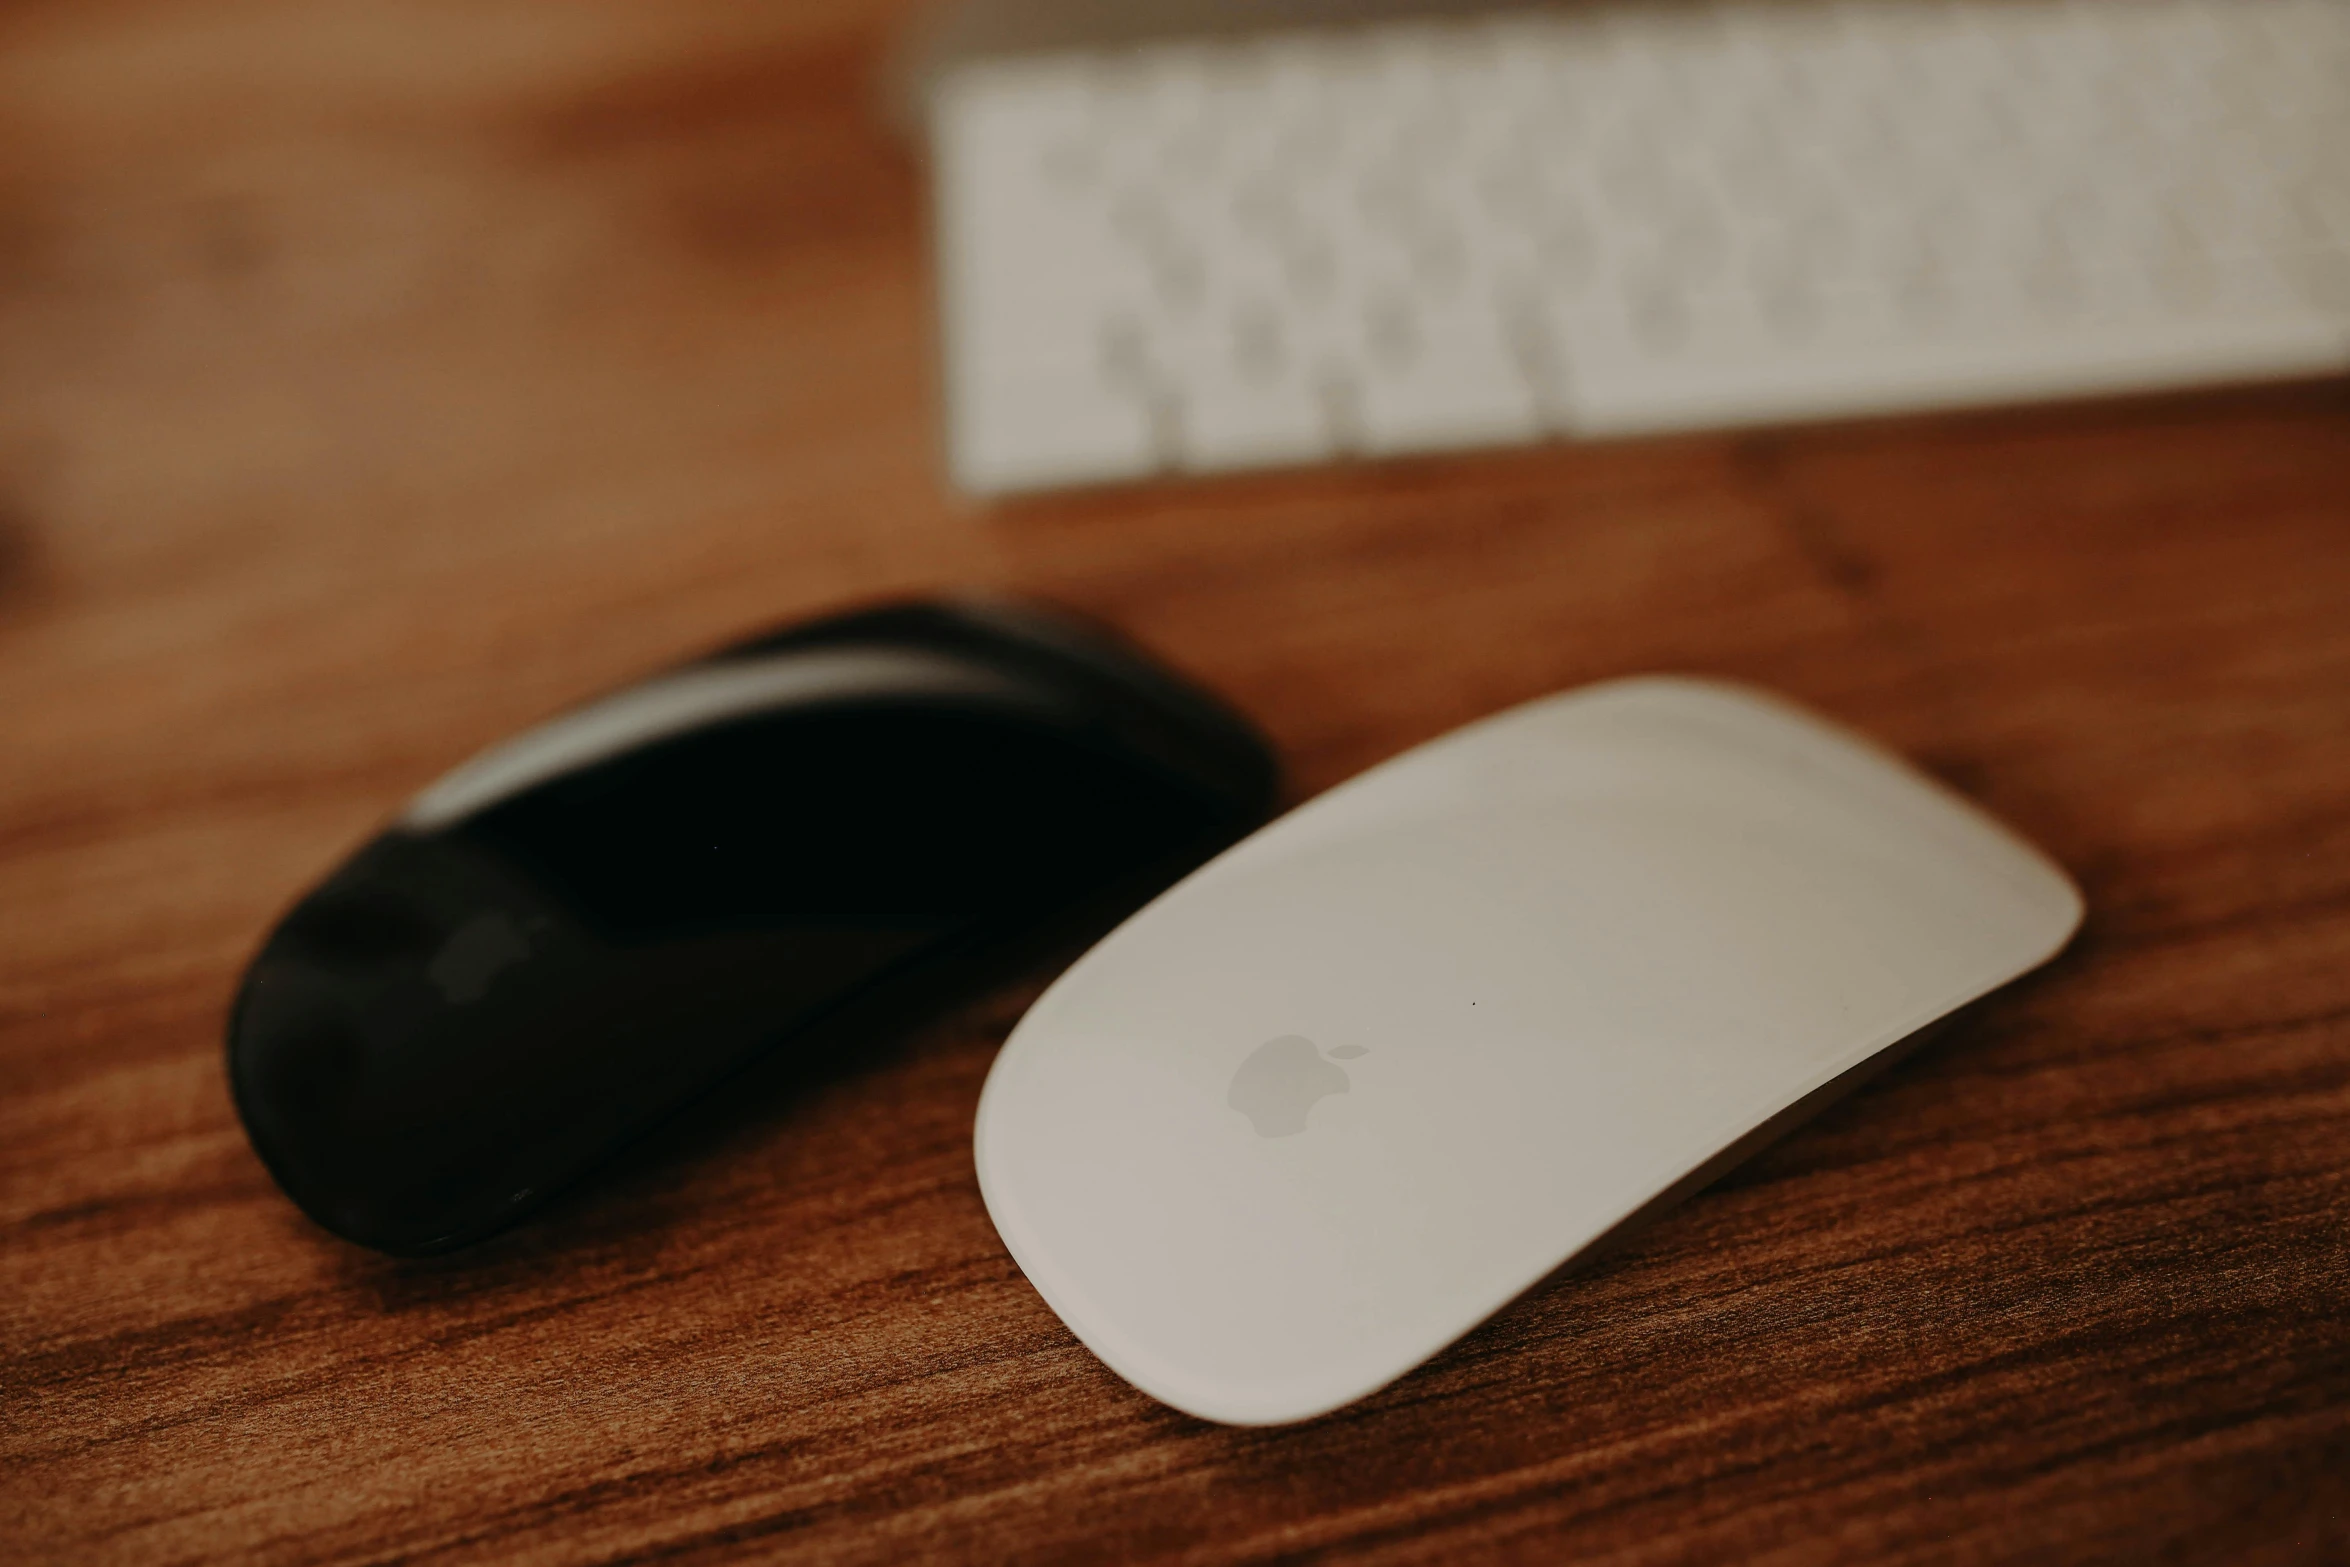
x=584, y=929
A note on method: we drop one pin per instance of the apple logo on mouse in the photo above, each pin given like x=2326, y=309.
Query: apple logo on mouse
x=482, y=948
x=1284, y=1078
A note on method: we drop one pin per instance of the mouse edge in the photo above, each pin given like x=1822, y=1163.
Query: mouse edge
x=1144, y=1377
x=1708, y=696
x=1722, y=694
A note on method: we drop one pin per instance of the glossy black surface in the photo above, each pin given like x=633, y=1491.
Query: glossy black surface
x=474, y=1011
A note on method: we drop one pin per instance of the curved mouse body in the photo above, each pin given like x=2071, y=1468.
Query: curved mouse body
x=1349, y=1088
x=589, y=926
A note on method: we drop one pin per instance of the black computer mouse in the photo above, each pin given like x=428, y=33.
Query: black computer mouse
x=582, y=930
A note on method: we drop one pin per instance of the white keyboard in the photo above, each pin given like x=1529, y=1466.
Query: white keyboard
x=1296, y=246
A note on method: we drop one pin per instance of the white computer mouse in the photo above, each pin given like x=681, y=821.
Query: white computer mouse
x=1356, y=1083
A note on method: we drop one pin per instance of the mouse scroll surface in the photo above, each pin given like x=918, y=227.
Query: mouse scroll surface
x=1358, y=1082
x=584, y=929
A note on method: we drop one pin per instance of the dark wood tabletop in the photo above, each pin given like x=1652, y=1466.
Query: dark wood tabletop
x=377, y=379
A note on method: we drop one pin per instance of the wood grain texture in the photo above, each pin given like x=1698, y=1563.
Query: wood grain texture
x=374, y=379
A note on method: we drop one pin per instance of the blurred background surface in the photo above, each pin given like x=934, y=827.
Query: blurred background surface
x=377, y=379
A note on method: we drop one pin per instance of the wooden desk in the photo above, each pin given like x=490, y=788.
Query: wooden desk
x=374, y=380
